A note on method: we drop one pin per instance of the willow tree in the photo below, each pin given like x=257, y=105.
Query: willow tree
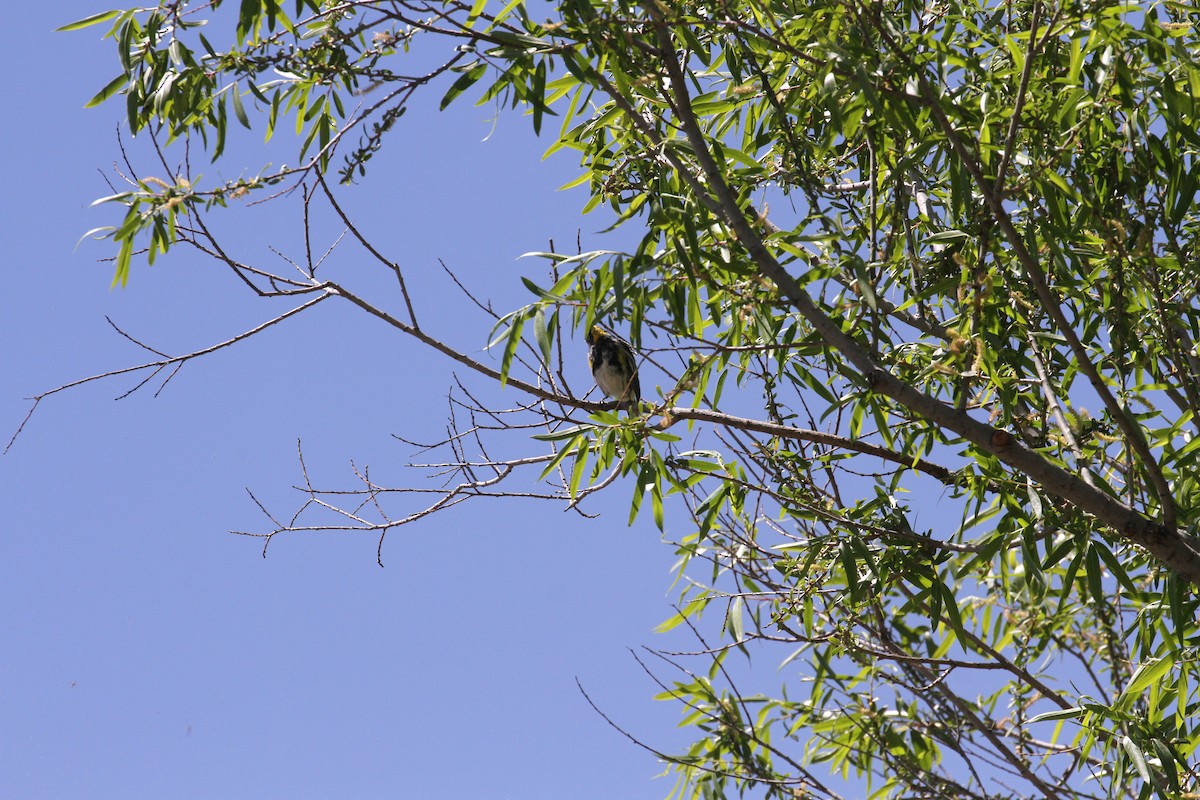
x=888, y=254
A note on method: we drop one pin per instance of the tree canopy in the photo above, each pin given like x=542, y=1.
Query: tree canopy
x=888, y=255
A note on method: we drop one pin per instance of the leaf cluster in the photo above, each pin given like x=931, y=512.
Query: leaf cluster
x=889, y=256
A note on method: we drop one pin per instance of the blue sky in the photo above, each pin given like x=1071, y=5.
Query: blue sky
x=150, y=653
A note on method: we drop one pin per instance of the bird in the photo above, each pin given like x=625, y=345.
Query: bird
x=614, y=365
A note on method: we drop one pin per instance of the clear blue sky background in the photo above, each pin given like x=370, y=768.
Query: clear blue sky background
x=146, y=652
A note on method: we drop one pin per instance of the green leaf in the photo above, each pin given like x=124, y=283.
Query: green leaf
x=111, y=88
x=656, y=504
x=693, y=608
x=510, y=348
x=537, y=94
x=1115, y=567
x=1148, y=673
x=102, y=232
x=734, y=618
x=464, y=82
x=642, y=486
x=578, y=441
x=121, y=274
x=1136, y=756
x=520, y=40
x=239, y=110
x=947, y=237
x=507, y=10
x=94, y=19
x=850, y=569
x=1035, y=501
x=562, y=435
x=544, y=333
x=476, y=9
x=581, y=460
x=1059, y=714
x=248, y=15
x=120, y=197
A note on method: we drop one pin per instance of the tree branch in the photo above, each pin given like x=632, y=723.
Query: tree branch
x=1050, y=304
x=1174, y=550
x=157, y=366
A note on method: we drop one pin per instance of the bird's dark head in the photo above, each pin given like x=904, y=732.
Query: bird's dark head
x=596, y=333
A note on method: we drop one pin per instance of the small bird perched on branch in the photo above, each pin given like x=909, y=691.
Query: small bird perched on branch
x=614, y=366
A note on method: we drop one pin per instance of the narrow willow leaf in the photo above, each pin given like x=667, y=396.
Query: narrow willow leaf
x=464, y=82
x=734, y=617
x=111, y=88
x=1136, y=756
x=1059, y=714
x=1147, y=673
x=693, y=608
x=239, y=111
x=94, y=19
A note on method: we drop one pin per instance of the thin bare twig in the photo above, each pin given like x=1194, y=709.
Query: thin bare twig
x=167, y=361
